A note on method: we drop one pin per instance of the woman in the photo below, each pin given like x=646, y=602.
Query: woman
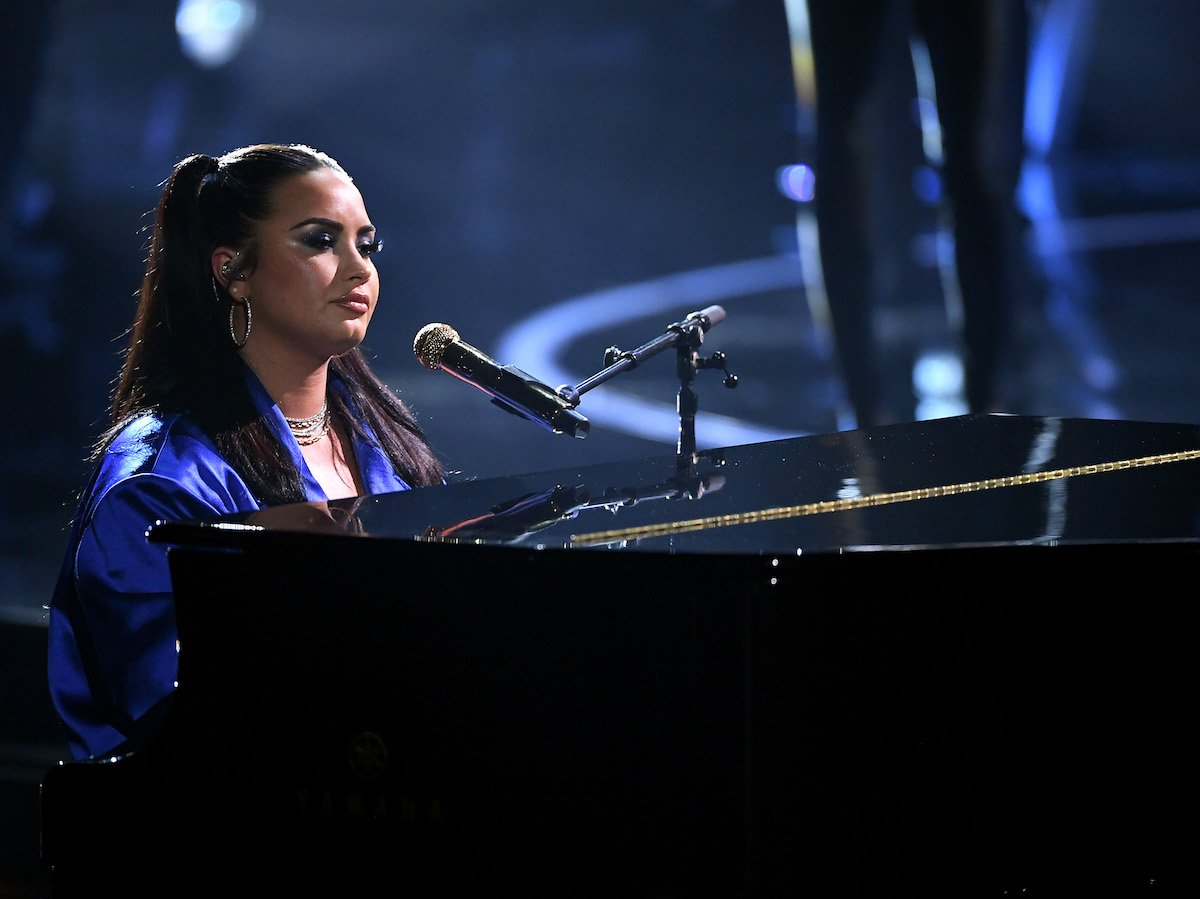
x=243, y=387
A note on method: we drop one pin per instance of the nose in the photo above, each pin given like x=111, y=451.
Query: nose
x=355, y=267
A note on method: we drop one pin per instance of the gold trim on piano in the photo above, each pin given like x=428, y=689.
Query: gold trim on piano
x=597, y=538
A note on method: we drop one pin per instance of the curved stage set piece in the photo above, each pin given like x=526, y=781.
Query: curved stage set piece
x=950, y=657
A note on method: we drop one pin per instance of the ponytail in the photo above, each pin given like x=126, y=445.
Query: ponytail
x=179, y=324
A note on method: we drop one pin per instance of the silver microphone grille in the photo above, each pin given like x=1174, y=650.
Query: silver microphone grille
x=431, y=342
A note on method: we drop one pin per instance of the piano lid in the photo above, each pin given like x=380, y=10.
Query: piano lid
x=972, y=480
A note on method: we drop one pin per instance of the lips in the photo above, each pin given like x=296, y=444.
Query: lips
x=355, y=302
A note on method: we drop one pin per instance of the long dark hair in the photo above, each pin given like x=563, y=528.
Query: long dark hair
x=181, y=357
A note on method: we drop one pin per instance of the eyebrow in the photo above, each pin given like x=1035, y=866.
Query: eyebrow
x=331, y=224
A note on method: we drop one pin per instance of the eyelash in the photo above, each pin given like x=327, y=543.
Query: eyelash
x=328, y=242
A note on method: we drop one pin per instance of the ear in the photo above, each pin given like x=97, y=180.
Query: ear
x=224, y=263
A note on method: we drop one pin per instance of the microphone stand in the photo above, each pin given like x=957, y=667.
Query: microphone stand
x=686, y=337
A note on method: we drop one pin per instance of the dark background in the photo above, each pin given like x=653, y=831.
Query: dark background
x=611, y=163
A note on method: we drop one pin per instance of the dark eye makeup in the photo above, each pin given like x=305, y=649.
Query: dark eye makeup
x=319, y=240
x=323, y=240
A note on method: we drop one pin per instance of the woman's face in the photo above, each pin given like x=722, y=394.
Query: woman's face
x=313, y=287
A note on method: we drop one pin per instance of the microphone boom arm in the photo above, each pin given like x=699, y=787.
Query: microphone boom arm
x=690, y=330
x=686, y=336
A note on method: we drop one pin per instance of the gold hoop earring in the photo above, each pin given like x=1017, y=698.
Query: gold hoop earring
x=245, y=301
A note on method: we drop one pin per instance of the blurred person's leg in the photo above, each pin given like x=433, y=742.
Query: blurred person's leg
x=854, y=47
x=978, y=53
x=843, y=46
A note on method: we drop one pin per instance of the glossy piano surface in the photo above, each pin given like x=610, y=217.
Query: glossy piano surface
x=966, y=481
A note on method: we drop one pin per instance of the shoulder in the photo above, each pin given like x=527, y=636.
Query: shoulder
x=155, y=444
x=167, y=459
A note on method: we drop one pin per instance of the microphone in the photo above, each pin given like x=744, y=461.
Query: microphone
x=437, y=346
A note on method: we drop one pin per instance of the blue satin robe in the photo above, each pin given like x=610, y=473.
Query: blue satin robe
x=112, y=640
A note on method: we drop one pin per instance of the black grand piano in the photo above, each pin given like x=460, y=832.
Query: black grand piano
x=950, y=657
